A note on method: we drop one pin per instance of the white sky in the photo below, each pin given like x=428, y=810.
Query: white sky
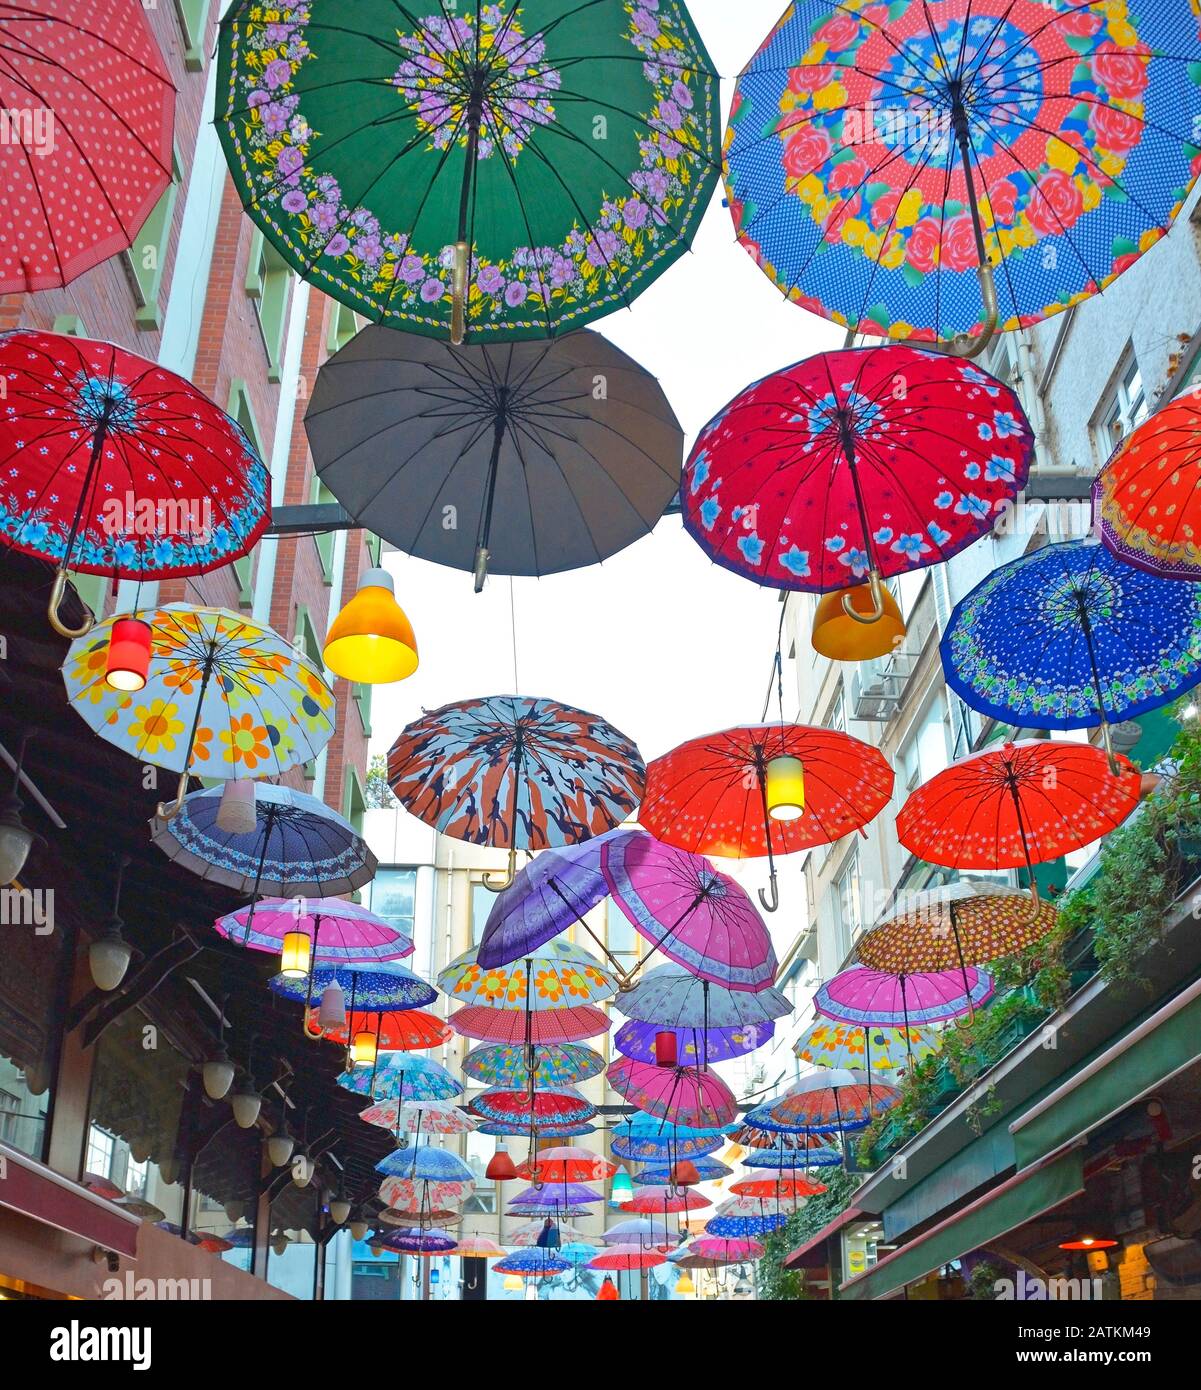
x=658, y=640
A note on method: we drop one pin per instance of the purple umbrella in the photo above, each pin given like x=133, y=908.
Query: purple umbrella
x=552, y=893
x=864, y=996
x=691, y=912
x=341, y=932
x=637, y=1039
x=558, y=1194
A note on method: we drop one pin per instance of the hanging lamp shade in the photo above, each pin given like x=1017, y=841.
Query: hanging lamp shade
x=607, y=1293
x=371, y=641
x=840, y=637
x=785, y=787
x=685, y=1174
x=500, y=1166
x=237, y=813
x=128, y=660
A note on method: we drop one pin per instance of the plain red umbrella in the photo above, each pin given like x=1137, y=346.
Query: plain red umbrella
x=545, y=1025
x=1017, y=805
x=91, y=111
x=713, y=795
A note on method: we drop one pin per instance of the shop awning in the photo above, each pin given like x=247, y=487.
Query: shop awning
x=43, y=1195
x=1027, y=1194
x=813, y=1252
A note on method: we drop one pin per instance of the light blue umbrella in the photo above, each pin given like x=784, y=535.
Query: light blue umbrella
x=402, y=1075
x=425, y=1163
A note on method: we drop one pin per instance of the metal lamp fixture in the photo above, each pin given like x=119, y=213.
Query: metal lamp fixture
x=218, y=1072
x=109, y=954
x=303, y=1169
x=785, y=788
x=16, y=838
x=128, y=661
x=371, y=642
x=280, y=1146
x=246, y=1103
x=359, y=1228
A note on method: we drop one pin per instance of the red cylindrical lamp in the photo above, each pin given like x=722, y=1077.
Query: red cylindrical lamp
x=128, y=654
x=666, y=1050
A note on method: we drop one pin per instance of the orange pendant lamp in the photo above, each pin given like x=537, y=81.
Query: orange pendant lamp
x=500, y=1166
x=842, y=638
x=685, y=1174
x=608, y=1291
x=371, y=642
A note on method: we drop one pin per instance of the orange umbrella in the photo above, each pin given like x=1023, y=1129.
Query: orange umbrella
x=566, y=1163
x=651, y=1200
x=777, y=1187
x=410, y=1030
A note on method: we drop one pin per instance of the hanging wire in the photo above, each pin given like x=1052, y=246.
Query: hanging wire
x=513, y=630
x=777, y=670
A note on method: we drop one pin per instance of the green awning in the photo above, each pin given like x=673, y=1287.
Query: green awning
x=1026, y=1195
x=1140, y=1068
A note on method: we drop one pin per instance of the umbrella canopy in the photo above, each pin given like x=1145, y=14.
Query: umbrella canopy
x=1069, y=636
x=862, y=996
x=791, y=1159
x=540, y=471
x=224, y=697
x=506, y=770
x=1017, y=805
x=641, y=1232
x=1147, y=498
x=122, y=468
x=425, y=1196
x=715, y=1251
x=697, y=796
x=341, y=932
x=744, y=1218
x=554, y=891
x=425, y=1163
x=667, y=1199
x=645, y=1138
x=627, y=1257
x=374, y=988
x=681, y=1094
x=782, y=1185
x=477, y=1248
x=527, y=1235
x=440, y=171
x=827, y=1099
x=412, y=1240
x=965, y=923
x=419, y=1117
x=554, y=1064
x=401, y=1030
x=80, y=186
x=558, y=975
x=672, y=996
x=685, y=908
x=566, y=1164
x=870, y=1047
x=695, y=1046
x=554, y=1105
x=299, y=846
x=510, y=1128
x=546, y=1026
x=402, y=1076
x=561, y=1194
x=877, y=156
x=532, y=1263
x=825, y=475
x=660, y=1175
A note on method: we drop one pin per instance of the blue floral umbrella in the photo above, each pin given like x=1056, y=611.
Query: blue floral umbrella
x=533, y=1263
x=1069, y=636
x=380, y=988
x=507, y=1129
x=425, y=1163
x=793, y=1158
x=299, y=847
x=743, y=1217
x=402, y=1075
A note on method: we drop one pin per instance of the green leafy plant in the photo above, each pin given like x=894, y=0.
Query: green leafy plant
x=772, y=1281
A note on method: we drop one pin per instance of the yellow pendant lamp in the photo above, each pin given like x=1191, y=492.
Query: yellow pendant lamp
x=842, y=638
x=371, y=641
x=785, y=788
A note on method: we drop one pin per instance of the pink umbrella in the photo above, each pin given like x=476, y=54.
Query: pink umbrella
x=545, y=1025
x=627, y=1257
x=341, y=933
x=726, y=1252
x=865, y=997
x=693, y=914
x=685, y=1095
x=649, y=1201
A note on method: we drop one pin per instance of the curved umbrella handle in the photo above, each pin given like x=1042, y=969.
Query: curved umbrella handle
x=166, y=810
x=494, y=885
x=458, y=293
x=867, y=619
x=771, y=904
x=1115, y=768
x=56, y=597
x=972, y=345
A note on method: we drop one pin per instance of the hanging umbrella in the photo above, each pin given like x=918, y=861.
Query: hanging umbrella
x=402, y=1076
x=668, y=1199
x=862, y=996
x=708, y=1169
x=707, y=1252
x=412, y=1240
x=566, y=1164
x=696, y=916
x=298, y=847
x=697, y=796
x=527, y=1235
x=414, y=1204
x=555, y=1105
x=418, y=1196
x=627, y=1257
x=224, y=697
x=757, y=1139
x=402, y=1030
x=533, y=1263
x=425, y=1163
x=829, y=474
x=684, y=1095
x=419, y=1117
x=477, y=1248
x=1147, y=498
x=671, y=996
x=777, y=1187
x=508, y=770
x=964, y=923
x=869, y=1047
x=743, y=1218
x=510, y=1128
x=883, y=161
x=561, y=1194
x=578, y=1252
x=827, y=1098
x=557, y=975
x=1017, y=805
x=115, y=466
x=554, y=1064
x=555, y=891
x=662, y=1142
x=693, y=1046
x=640, y=1231
x=540, y=471
x=81, y=179
x=791, y=1158
x=1069, y=636
x=443, y=173
x=340, y=932
x=546, y=1026
x=373, y=988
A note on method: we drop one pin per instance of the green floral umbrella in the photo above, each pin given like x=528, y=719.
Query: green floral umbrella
x=496, y=171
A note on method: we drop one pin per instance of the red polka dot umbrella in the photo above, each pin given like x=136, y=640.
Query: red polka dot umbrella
x=90, y=109
x=1018, y=805
x=711, y=795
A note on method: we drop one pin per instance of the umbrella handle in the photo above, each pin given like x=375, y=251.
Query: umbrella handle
x=972, y=345
x=867, y=619
x=1115, y=768
x=493, y=885
x=482, y=556
x=771, y=904
x=166, y=810
x=56, y=597
x=458, y=293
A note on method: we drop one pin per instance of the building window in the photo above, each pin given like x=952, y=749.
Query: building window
x=268, y=282
x=479, y=1151
x=306, y=637
x=354, y=799
x=926, y=751
x=482, y=899
x=147, y=256
x=393, y=896
x=620, y=936
x=849, y=896
x=296, y=1215
x=362, y=698
x=836, y=715
x=193, y=18
x=1124, y=409
x=324, y=540
x=224, y=1195
x=343, y=325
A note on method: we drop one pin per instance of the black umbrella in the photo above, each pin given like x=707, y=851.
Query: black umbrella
x=526, y=458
